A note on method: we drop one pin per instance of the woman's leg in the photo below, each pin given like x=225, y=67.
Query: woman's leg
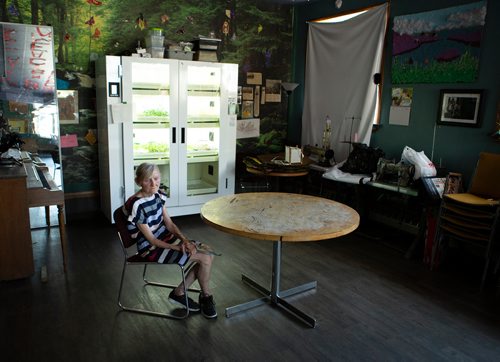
x=200, y=271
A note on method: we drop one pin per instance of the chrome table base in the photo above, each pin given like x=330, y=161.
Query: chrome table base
x=275, y=296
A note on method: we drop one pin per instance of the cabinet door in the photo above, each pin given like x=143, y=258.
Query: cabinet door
x=151, y=133
x=199, y=117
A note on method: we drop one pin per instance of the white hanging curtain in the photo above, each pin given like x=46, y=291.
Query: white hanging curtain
x=341, y=60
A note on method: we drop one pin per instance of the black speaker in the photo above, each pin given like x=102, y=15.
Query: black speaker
x=377, y=78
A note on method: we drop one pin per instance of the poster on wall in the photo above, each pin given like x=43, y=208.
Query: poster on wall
x=247, y=93
x=254, y=78
x=247, y=109
x=27, y=63
x=273, y=90
x=440, y=46
x=68, y=106
x=248, y=128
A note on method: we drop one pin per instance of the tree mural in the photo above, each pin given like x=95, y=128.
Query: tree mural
x=255, y=35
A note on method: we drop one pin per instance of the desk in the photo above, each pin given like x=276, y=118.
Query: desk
x=396, y=206
x=16, y=253
x=279, y=217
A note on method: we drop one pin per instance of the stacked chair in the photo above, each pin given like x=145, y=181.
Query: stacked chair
x=472, y=217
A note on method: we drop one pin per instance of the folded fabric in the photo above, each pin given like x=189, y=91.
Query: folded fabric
x=336, y=174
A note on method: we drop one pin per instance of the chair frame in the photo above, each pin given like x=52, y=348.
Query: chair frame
x=440, y=234
x=127, y=261
x=439, y=244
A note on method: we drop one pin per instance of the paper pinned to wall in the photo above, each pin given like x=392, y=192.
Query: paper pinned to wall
x=247, y=128
x=69, y=141
x=401, y=106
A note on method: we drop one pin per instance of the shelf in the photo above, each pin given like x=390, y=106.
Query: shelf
x=151, y=159
x=200, y=187
x=203, y=121
x=194, y=156
x=146, y=88
x=199, y=159
x=204, y=91
x=148, y=155
x=151, y=122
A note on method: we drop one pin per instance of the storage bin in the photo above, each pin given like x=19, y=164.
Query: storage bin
x=155, y=41
x=155, y=32
x=156, y=52
x=179, y=54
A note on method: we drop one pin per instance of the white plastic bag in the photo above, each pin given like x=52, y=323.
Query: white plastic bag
x=423, y=166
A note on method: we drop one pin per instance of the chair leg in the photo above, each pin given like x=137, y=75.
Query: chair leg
x=121, y=286
x=184, y=271
x=150, y=312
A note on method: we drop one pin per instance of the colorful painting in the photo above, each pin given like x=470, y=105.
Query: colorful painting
x=439, y=46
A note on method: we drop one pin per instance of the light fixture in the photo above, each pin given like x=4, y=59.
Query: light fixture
x=289, y=87
x=338, y=4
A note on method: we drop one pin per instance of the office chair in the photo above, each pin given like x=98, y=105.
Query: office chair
x=472, y=217
x=126, y=242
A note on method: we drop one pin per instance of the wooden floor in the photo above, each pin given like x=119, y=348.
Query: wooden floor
x=371, y=304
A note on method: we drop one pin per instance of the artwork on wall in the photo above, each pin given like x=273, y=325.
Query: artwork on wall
x=440, y=46
x=18, y=125
x=247, y=93
x=248, y=128
x=247, y=109
x=68, y=106
x=19, y=107
x=401, y=106
x=459, y=107
x=254, y=78
x=273, y=90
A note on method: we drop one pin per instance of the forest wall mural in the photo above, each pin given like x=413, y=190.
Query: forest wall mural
x=257, y=35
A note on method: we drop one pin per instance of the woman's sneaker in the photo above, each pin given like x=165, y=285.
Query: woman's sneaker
x=207, y=306
x=181, y=300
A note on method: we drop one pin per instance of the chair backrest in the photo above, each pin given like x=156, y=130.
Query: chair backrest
x=121, y=227
x=486, y=179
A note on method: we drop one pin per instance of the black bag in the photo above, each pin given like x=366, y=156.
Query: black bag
x=363, y=159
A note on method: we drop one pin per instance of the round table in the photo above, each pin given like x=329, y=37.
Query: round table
x=280, y=217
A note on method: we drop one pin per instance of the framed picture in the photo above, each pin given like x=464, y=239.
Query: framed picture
x=18, y=125
x=453, y=183
x=459, y=107
x=68, y=106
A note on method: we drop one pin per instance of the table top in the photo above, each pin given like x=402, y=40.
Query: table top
x=280, y=216
x=277, y=157
x=278, y=173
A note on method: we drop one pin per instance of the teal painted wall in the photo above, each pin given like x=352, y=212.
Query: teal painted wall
x=455, y=148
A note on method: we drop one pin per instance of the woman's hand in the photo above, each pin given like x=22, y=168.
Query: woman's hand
x=189, y=247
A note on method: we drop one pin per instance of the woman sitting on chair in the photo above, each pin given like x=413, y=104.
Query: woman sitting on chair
x=160, y=240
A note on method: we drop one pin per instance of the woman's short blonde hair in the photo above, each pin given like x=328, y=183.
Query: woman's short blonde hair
x=144, y=171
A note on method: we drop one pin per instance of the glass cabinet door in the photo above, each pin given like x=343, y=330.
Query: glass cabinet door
x=203, y=103
x=153, y=98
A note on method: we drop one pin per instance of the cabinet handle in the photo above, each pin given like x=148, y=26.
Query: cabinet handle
x=174, y=132
x=183, y=135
